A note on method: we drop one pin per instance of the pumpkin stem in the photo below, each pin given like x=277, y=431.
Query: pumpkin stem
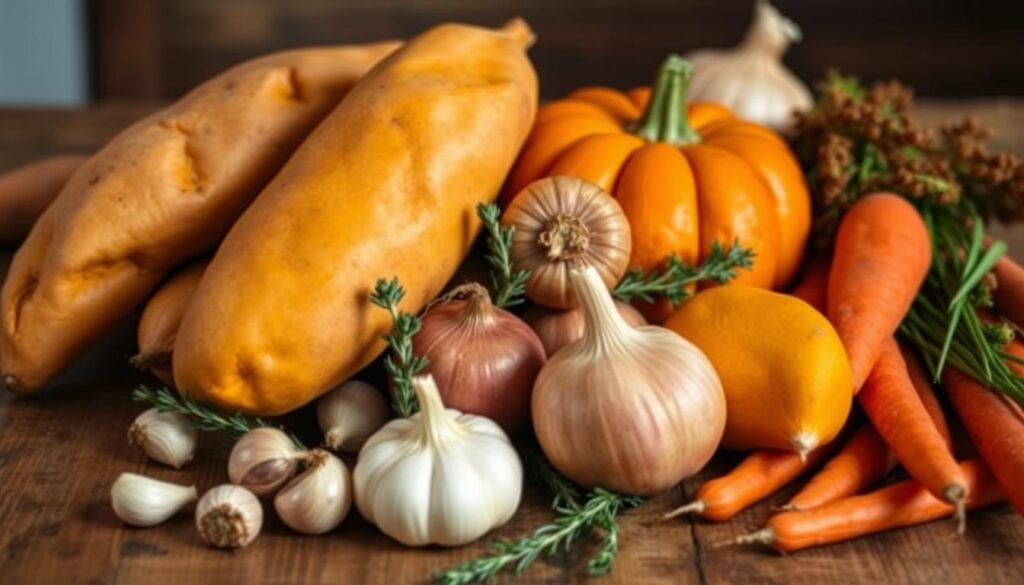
x=565, y=237
x=664, y=120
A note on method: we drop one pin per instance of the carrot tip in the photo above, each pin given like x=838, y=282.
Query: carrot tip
x=694, y=507
x=804, y=443
x=956, y=495
x=765, y=536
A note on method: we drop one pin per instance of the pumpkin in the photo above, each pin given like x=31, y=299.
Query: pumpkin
x=685, y=175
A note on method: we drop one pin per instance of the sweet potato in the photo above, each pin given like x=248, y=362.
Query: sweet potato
x=161, y=319
x=386, y=186
x=26, y=191
x=166, y=189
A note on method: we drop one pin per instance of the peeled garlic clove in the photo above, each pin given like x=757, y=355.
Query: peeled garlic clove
x=229, y=516
x=142, y=501
x=263, y=460
x=318, y=499
x=350, y=413
x=166, y=437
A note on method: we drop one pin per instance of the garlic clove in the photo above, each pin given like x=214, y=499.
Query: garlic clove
x=263, y=460
x=350, y=413
x=229, y=516
x=317, y=500
x=167, y=437
x=142, y=501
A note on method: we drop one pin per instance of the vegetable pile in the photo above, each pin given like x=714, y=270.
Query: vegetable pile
x=665, y=278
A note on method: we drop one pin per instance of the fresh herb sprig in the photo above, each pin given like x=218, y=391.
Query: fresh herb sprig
x=599, y=510
x=507, y=283
x=721, y=266
x=402, y=365
x=202, y=417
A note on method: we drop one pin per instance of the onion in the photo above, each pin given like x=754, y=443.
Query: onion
x=558, y=328
x=483, y=358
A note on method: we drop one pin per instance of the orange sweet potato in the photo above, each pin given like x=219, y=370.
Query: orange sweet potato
x=26, y=191
x=164, y=190
x=386, y=186
x=161, y=319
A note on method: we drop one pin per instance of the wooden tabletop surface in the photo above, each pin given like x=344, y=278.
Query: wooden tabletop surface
x=60, y=452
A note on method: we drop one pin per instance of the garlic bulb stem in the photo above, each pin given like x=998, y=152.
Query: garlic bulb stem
x=771, y=32
x=439, y=425
x=605, y=327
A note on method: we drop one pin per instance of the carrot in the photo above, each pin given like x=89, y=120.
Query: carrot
x=903, y=504
x=758, y=476
x=996, y=427
x=813, y=286
x=1009, y=292
x=926, y=392
x=891, y=402
x=882, y=254
x=864, y=460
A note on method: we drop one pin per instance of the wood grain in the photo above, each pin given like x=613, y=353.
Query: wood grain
x=61, y=451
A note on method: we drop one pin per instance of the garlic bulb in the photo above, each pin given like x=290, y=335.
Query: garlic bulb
x=164, y=436
x=634, y=410
x=319, y=498
x=350, y=413
x=750, y=78
x=562, y=223
x=557, y=328
x=229, y=516
x=142, y=501
x=262, y=460
x=438, y=477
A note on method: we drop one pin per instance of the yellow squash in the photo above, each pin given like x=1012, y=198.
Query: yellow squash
x=784, y=370
x=386, y=186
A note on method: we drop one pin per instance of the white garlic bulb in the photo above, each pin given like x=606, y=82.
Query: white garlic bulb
x=350, y=413
x=438, y=477
x=166, y=437
x=229, y=516
x=750, y=78
x=319, y=498
x=263, y=459
x=142, y=501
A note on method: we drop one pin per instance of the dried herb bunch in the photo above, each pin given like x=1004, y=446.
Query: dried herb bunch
x=861, y=140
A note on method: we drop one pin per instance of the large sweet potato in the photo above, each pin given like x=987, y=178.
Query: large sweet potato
x=385, y=186
x=26, y=191
x=162, y=191
x=161, y=319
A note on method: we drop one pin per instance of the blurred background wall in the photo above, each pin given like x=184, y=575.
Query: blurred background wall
x=64, y=50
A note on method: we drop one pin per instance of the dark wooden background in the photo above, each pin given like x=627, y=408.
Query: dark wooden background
x=158, y=49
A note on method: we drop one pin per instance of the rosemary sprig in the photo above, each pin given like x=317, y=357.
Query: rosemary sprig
x=203, y=417
x=721, y=265
x=599, y=510
x=402, y=365
x=508, y=284
x=541, y=472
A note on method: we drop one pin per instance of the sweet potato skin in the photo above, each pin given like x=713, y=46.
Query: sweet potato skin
x=26, y=191
x=386, y=186
x=161, y=319
x=164, y=190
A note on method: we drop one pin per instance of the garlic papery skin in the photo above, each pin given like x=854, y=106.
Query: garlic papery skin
x=438, y=477
x=142, y=501
x=229, y=516
x=350, y=413
x=167, y=437
x=750, y=78
x=319, y=498
x=263, y=460
x=633, y=410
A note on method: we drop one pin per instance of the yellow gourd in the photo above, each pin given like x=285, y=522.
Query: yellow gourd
x=785, y=373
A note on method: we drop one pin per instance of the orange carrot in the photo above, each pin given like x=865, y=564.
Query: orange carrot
x=996, y=427
x=903, y=504
x=813, y=286
x=761, y=474
x=863, y=461
x=1009, y=292
x=882, y=254
x=891, y=402
x=926, y=392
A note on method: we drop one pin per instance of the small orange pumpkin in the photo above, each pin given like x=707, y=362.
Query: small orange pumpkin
x=685, y=176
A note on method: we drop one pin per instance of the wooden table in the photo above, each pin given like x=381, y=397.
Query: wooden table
x=60, y=452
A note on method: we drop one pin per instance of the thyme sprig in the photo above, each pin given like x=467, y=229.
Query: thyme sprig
x=720, y=265
x=203, y=417
x=507, y=283
x=401, y=364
